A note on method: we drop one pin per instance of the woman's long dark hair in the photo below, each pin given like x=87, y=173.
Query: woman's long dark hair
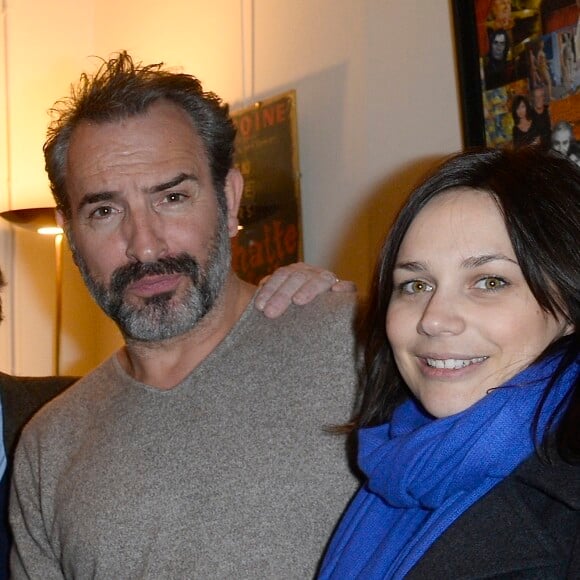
x=538, y=194
x=516, y=103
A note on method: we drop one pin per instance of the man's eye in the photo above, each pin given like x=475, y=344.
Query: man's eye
x=101, y=212
x=415, y=287
x=491, y=283
x=175, y=197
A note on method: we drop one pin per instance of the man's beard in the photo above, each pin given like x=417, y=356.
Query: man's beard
x=161, y=317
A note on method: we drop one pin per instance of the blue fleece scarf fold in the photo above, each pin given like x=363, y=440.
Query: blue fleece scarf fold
x=423, y=473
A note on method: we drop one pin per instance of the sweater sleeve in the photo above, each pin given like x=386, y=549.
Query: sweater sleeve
x=32, y=555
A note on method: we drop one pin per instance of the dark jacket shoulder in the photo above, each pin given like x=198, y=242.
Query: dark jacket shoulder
x=528, y=526
x=21, y=398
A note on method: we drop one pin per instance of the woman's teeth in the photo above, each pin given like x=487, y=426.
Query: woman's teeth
x=453, y=363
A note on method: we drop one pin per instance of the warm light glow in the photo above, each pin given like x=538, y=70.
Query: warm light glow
x=50, y=231
x=240, y=228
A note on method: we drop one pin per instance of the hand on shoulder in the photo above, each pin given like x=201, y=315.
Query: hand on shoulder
x=296, y=284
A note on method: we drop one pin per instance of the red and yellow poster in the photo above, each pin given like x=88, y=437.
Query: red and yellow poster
x=270, y=217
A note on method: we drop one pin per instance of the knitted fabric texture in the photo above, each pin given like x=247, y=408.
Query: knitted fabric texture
x=423, y=473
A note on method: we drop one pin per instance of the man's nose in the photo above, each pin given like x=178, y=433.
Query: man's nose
x=146, y=237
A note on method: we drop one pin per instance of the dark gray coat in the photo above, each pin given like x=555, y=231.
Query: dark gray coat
x=526, y=527
x=21, y=397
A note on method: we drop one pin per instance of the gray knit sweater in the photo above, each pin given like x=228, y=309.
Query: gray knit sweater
x=228, y=475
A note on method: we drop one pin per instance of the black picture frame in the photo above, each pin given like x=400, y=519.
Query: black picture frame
x=467, y=52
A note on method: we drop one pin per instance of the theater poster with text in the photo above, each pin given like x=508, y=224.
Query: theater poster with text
x=270, y=214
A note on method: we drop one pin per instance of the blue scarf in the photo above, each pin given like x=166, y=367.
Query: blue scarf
x=423, y=473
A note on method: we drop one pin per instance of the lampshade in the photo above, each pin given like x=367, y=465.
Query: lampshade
x=37, y=219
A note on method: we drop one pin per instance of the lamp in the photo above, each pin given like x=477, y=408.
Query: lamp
x=42, y=220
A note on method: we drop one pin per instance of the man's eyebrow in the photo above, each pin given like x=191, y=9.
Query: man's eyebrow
x=100, y=196
x=172, y=182
x=95, y=198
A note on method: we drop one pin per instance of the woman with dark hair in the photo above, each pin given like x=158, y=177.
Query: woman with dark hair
x=469, y=418
x=524, y=131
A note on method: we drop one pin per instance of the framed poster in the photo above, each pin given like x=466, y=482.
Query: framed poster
x=519, y=73
x=270, y=215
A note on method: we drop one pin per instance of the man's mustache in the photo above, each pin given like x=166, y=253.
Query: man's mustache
x=129, y=273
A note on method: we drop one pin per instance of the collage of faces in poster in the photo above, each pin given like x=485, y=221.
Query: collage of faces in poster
x=530, y=71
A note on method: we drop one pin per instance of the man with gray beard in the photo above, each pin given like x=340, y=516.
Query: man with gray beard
x=199, y=450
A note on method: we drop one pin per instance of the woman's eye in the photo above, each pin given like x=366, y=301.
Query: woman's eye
x=415, y=287
x=490, y=283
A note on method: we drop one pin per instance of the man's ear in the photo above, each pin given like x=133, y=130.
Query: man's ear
x=60, y=219
x=63, y=223
x=234, y=188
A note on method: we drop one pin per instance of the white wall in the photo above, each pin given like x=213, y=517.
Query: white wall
x=376, y=90
x=377, y=102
